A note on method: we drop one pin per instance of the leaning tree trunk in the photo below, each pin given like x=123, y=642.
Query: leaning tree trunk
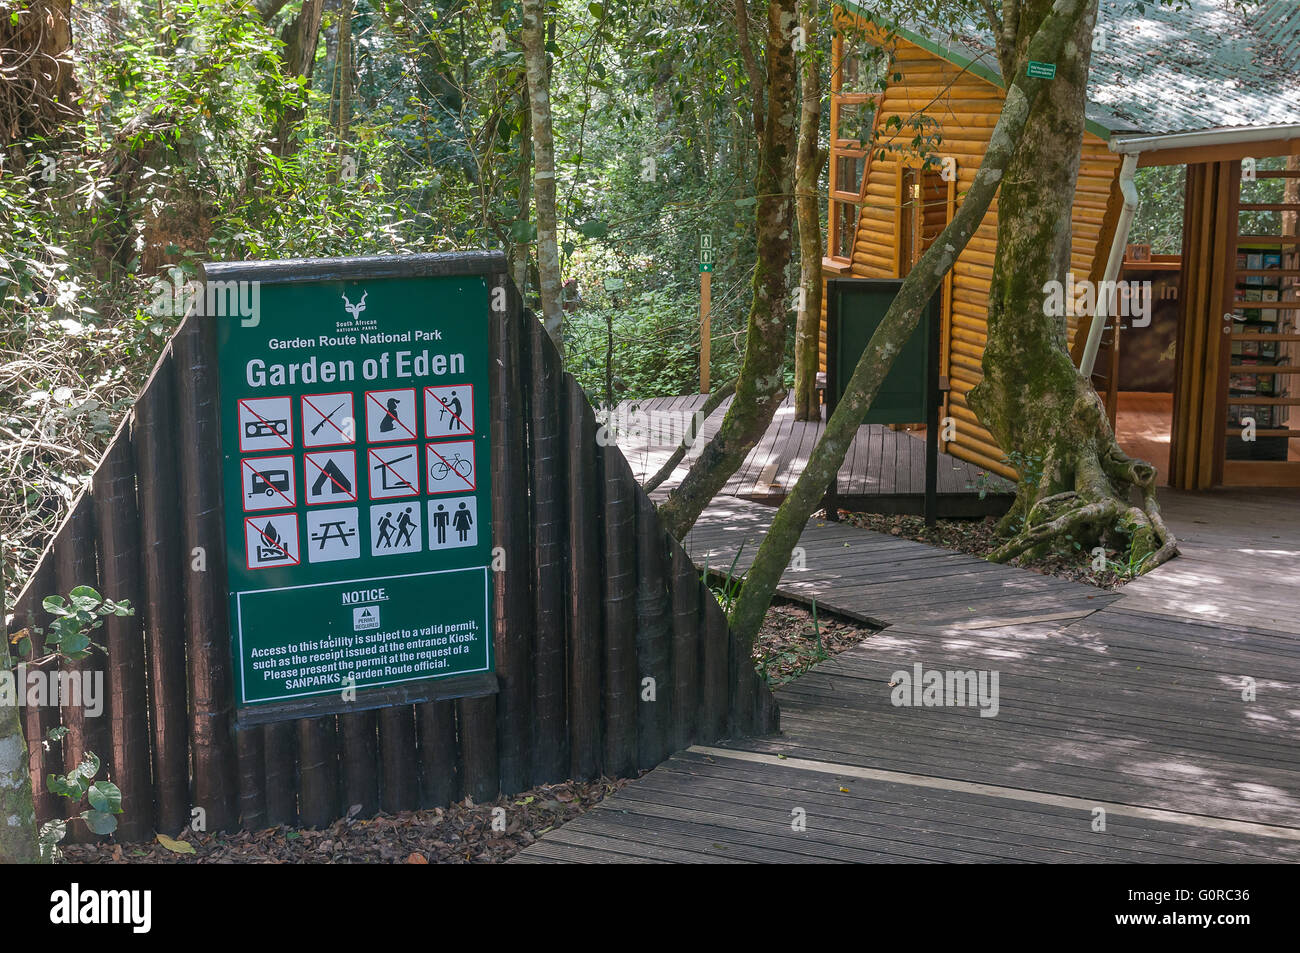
x=807, y=176
x=18, y=838
x=533, y=36
x=896, y=327
x=759, y=386
x=1075, y=482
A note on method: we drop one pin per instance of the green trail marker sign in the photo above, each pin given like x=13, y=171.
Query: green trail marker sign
x=357, y=481
x=1039, y=70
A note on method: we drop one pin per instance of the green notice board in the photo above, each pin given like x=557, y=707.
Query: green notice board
x=854, y=310
x=357, y=479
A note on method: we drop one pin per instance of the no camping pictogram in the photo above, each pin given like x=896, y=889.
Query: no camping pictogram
x=265, y=423
x=449, y=410
x=271, y=541
x=394, y=471
x=327, y=420
x=450, y=467
x=331, y=477
x=390, y=415
x=268, y=483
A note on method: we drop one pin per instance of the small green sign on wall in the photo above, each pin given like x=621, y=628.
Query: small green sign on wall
x=357, y=478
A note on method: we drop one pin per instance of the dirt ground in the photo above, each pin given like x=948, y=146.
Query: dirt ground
x=790, y=643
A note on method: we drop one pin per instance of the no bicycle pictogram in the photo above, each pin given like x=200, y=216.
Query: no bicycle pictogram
x=450, y=467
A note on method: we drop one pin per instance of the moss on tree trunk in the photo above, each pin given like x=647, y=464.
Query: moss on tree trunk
x=1076, y=484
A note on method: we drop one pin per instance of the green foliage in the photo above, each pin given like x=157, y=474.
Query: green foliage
x=104, y=800
x=67, y=637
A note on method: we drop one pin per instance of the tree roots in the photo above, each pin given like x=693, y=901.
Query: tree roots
x=1084, y=497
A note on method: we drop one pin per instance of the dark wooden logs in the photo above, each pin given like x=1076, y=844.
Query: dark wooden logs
x=74, y=565
x=39, y=719
x=688, y=623
x=207, y=637
x=161, y=610
x=512, y=579
x=359, y=761
x=653, y=639
x=399, y=785
x=439, y=755
x=619, y=496
x=119, y=574
x=318, y=776
x=549, y=533
x=583, y=619
x=715, y=673
x=280, y=745
x=476, y=719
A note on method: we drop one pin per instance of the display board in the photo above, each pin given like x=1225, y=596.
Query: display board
x=356, y=474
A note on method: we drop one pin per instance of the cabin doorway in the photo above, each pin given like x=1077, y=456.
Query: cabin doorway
x=1136, y=365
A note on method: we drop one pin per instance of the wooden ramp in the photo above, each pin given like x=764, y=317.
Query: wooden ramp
x=1114, y=708
x=884, y=467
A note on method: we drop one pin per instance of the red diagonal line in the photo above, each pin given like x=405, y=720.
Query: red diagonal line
x=452, y=412
x=269, y=540
x=322, y=417
x=385, y=465
x=450, y=467
x=287, y=443
x=371, y=397
x=331, y=479
x=268, y=483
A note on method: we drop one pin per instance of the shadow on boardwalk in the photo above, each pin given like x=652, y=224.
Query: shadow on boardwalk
x=1128, y=710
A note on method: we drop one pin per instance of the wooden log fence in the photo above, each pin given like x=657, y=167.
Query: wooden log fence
x=611, y=651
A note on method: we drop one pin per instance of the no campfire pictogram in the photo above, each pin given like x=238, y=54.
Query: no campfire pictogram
x=271, y=541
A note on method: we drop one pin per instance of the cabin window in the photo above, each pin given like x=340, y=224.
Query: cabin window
x=854, y=123
x=848, y=173
x=845, y=230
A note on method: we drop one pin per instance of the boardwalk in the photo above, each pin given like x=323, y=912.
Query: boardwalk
x=1126, y=710
x=886, y=465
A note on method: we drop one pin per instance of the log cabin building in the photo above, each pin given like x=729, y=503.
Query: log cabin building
x=1202, y=88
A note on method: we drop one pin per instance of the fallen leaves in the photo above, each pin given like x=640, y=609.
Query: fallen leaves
x=460, y=833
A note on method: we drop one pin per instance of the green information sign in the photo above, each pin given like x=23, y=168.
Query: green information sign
x=357, y=479
x=1041, y=70
x=855, y=308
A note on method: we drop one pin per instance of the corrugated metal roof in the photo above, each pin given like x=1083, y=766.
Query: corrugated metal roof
x=1195, y=65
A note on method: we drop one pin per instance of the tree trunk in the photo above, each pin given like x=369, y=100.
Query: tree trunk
x=1075, y=482
x=759, y=389
x=301, y=36
x=519, y=247
x=536, y=68
x=18, y=836
x=897, y=326
x=807, y=177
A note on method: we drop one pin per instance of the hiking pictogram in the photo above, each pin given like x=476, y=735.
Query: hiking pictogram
x=449, y=410
x=395, y=529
